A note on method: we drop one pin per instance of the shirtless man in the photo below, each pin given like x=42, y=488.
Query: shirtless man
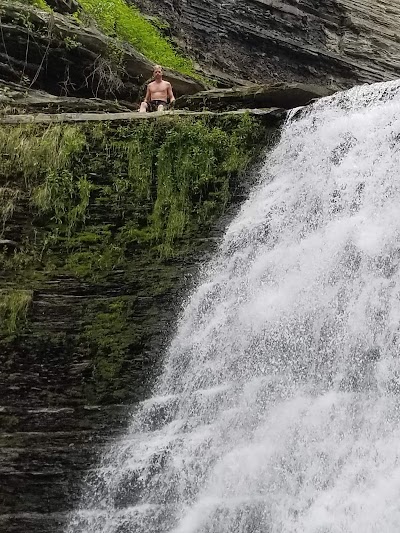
x=158, y=93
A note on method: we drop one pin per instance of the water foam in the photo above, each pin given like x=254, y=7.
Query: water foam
x=279, y=410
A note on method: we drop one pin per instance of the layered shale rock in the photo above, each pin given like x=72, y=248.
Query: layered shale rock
x=17, y=99
x=277, y=95
x=49, y=51
x=102, y=226
x=336, y=42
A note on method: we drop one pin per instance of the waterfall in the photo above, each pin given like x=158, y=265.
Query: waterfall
x=278, y=410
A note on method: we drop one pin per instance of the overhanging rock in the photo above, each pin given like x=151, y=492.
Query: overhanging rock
x=280, y=95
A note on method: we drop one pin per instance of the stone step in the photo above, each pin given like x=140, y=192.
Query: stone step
x=53, y=439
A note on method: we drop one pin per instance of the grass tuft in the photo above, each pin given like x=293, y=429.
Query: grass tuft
x=41, y=4
x=14, y=306
x=29, y=151
x=116, y=18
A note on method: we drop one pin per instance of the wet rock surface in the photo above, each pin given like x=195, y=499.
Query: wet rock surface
x=92, y=343
x=49, y=437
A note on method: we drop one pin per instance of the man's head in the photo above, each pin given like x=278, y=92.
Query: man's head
x=157, y=72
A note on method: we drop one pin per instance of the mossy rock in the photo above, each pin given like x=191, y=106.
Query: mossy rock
x=106, y=219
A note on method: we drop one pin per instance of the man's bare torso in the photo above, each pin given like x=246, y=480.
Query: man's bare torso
x=158, y=94
x=159, y=90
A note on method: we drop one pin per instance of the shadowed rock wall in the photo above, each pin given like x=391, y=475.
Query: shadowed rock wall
x=341, y=42
x=101, y=229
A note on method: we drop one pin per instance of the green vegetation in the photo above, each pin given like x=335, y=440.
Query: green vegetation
x=13, y=309
x=110, y=338
x=37, y=3
x=32, y=152
x=163, y=181
x=64, y=197
x=116, y=18
x=8, y=200
x=109, y=211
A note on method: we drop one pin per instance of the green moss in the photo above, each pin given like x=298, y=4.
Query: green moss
x=14, y=306
x=31, y=151
x=93, y=264
x=87, y=238
x=63, y=197
x=110, y=336
x=117, y=18
x=105, y=209
x=8, y=423
x=41, y=4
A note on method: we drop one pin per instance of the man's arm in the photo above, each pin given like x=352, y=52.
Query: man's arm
x=147, y=98
x=170, y=93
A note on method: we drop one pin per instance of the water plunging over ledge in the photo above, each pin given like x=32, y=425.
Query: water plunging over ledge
x=279, y=407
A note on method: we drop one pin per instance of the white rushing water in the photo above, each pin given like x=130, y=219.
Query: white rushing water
x=279, y=407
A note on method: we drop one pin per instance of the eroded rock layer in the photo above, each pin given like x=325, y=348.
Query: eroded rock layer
x=340, y=42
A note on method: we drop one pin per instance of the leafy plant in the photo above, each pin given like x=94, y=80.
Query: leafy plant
x=8, y=200
x=37, y=3
x=194, y=165
x=13, y=309
x=63, y=197
x=118, y=19
x=31, y=150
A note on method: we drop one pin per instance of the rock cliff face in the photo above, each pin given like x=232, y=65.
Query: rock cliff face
x=339, y=42
x=47, y=50
x=101, y=227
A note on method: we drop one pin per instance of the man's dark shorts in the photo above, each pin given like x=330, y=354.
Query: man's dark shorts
x=153, y=105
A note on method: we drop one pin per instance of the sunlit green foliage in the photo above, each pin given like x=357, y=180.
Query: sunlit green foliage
x=37, y=3
x=13, y=309
x=117, y=18
x=109, y=208
x=31, y=151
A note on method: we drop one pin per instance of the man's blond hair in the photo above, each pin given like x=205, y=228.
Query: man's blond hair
x=156, y=67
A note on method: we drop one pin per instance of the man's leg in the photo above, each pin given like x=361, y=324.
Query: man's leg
x=143, y=107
